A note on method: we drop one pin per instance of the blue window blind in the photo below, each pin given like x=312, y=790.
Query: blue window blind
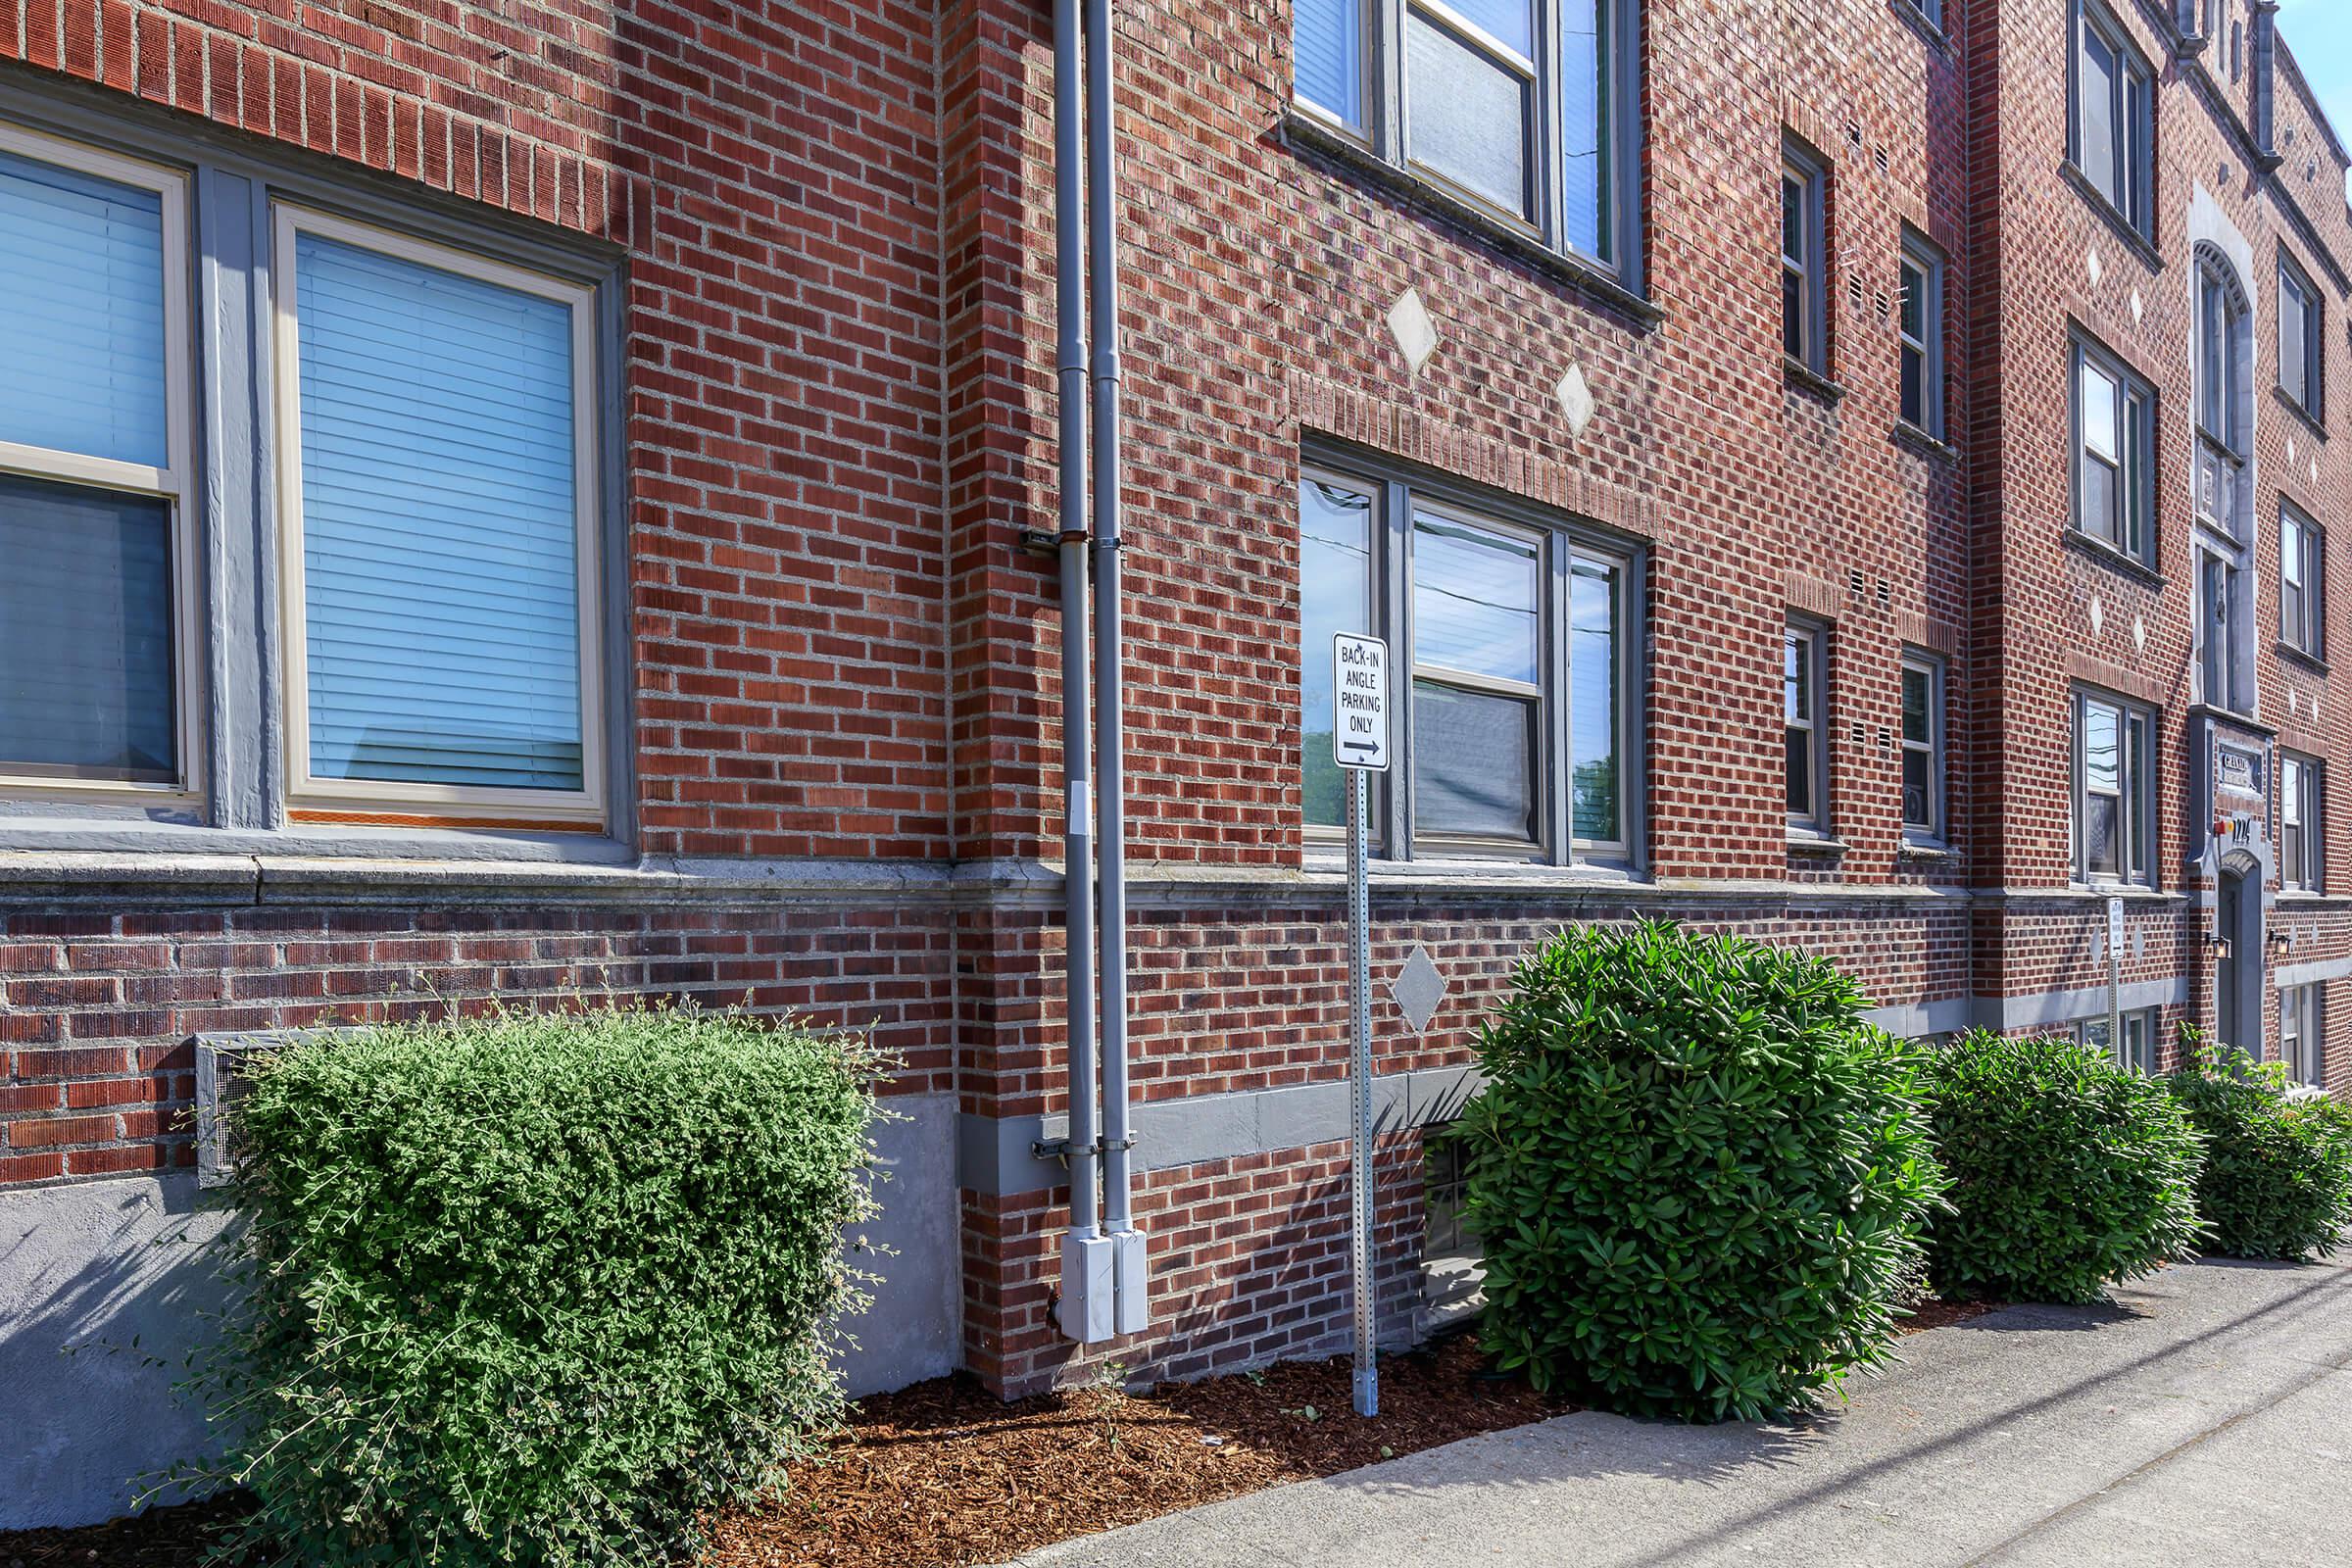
x=82, y=259
x=85, y=632
x=439, y=525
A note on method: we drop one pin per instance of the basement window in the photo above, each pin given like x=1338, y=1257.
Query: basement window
x=1452, y=1264
x=2136, y=1052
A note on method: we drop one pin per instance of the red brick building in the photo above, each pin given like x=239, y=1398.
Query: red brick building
x=1856, y=473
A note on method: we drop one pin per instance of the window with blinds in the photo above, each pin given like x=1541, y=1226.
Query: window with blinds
x=92, y=677
x=441, y=576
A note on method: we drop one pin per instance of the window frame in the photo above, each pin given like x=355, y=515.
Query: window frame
x=1384, y=134
x=1417, y=671
x=2307, y=870
x=2136, y=735
x=2310, y=552
x=1812, y=637
x=2135, y=467
x=1935, y=831
x=1809, y=172
x=1400, y=492
x=2123, y=1053
x=2132, y=104
x=310, y=798
x=2295, y=283
x=2220, y=677
x=2303, y=1033
x=174, y=482
x=1921, y=255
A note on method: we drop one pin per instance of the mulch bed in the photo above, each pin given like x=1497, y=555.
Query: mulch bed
x=1944, y=1314
x=943, y=1475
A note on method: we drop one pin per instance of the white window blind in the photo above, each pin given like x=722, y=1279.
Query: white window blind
x=83, y=302
x=439, y=523
x=87, y=666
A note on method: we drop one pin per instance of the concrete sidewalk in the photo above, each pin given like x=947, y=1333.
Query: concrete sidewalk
x=2204, y=1420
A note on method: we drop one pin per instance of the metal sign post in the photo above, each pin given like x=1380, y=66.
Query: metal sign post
x=1360, y=743
x=2115, y=983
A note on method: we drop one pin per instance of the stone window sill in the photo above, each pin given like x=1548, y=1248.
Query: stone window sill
x=2303, y=416
x=2302, y=657
x=2138, y=243
x=1310, y=138
x=1804, y=378
x=1923, y=442
x=2106, y=555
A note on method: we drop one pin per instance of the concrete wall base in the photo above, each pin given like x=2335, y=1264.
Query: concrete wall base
x=106, y=1286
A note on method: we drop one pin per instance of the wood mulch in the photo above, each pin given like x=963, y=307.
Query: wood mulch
x=943, y=1475
x=1944, y=1314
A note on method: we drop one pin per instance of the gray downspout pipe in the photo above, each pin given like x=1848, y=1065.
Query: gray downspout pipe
x=1130, y=1262
x=1087, y=1287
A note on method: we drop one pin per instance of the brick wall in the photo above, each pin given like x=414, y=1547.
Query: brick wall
x=838, y=334
x=97, y=1009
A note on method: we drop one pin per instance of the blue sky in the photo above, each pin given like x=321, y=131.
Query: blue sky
x=2320, y=33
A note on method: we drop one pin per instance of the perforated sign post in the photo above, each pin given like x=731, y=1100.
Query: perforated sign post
x=1359, y=743
x=2115, y=981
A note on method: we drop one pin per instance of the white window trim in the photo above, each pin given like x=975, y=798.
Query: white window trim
x=2311, y=876
x=1937, y=830
x=338, y=798
x=169, y=483
x=2134, y=796
x=1811, y=174
x=1814, y=638
x=2306, y=1006
x=1920, y=256
x=2311, y=557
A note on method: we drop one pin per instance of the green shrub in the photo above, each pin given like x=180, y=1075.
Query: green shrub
x=535, y=1289
x=2066, y=1171
x=1700, y=1178
x=2277, y=1178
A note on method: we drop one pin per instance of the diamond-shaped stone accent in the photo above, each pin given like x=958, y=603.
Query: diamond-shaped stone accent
x=1415, y=333
x=1575, y=400
x=1418, y=989
x=2098, y=268
x=2139, y=307
x=2099, y=616
x=2315, y=470
x=2140, y=633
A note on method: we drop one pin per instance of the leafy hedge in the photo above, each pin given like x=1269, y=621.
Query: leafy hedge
x=1700, y=1178
x=2277, y=1178
x=2066, y=1171
x=534, y=1289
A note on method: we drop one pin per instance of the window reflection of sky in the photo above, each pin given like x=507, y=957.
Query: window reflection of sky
x=1474, y=601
